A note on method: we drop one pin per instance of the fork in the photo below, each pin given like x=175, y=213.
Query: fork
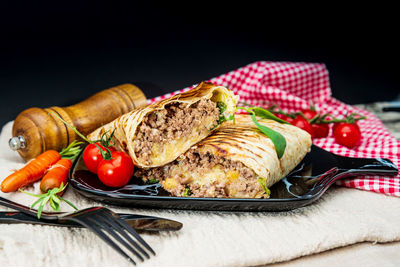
x=101, y=221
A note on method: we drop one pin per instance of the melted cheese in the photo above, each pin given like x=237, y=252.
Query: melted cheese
x=230, y=179
x=170, y=184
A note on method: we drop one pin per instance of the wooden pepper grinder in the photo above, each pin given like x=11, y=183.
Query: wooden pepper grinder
x=36, y=131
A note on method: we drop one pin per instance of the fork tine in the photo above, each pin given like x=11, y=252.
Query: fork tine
x=111, y=220
x=109, y=227
x=89, y=224
x=134, y=233
x=326, y=177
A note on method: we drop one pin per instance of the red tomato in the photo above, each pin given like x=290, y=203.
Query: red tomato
x=335, y=125
x=284, y=117
x=309, y=114
x=302, y=123
x=347, y=134
x=92, y=156
x=116, y=172
x=320, y=130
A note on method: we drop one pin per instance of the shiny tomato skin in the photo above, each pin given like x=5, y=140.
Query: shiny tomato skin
x=92, y=156
x=320, y=130
x=334, y=125
x=340, y=123
x=347, y=134
x=116, y=172
x=303, y=124
x=309, y=114
x=284, y=117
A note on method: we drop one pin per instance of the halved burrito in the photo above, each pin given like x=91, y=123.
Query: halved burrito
x=157, y=134
x=236, y=161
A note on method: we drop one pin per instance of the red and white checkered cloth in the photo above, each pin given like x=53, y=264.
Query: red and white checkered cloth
x=294, y=86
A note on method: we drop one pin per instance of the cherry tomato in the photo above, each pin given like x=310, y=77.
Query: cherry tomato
x=347, y=134
x=302, y=123
x=340, y=123
x=320, y=130
x=116, y=172
x=334, y=125
x=309, y=114
x=92, y=156
x=284, y=117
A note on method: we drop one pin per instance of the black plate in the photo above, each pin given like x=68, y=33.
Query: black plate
x=304, y=185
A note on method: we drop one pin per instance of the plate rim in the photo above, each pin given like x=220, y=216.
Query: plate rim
x=118, y=196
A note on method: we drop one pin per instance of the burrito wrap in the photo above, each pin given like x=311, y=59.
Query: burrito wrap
x=243, y=161
x=127, y=127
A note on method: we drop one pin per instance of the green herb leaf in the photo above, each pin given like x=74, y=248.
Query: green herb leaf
x=72, y=150
x=56, y=200
x=262, y=182
x=187, y=192
x=152, y=181
x=53, y=204
x=41, y=206
x=69, y=203
x=221, y=106
x=277, y=139
x=30, y=194
x=263, y=113
x=223, y=118
x=36, y=202
x=51, y=197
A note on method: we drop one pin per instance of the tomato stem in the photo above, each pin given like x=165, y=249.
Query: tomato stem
x=107, y=155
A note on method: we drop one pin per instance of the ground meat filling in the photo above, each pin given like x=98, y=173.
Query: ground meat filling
x=174, y=122
x=246, y=183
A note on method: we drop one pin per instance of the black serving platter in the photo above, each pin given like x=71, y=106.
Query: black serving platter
x=304, y=185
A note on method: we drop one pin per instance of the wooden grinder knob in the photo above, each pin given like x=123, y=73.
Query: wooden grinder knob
x=36, y=131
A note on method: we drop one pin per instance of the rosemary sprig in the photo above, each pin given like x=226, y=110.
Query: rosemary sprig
x=72, y=150
x=52, y=197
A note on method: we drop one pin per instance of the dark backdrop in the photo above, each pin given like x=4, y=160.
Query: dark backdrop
x=59, y=54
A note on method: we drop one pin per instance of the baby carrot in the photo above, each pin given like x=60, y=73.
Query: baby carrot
x=32, y=172
x=56, y=176
x=36, y=168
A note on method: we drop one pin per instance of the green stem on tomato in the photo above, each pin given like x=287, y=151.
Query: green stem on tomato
x=280, y=111
x=349, y=119
x=107, y=155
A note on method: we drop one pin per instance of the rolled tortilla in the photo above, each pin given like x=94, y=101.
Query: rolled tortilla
x=157, y=134
x=236, y=161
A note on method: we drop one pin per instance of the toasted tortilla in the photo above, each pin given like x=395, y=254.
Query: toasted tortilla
x=243, y=142
x=241, y=145
x=127, y=125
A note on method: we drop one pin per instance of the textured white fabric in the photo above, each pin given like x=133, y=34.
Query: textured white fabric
x=360, y=254
x=342, y=217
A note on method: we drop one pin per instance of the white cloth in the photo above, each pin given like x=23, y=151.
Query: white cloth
x=341, y=217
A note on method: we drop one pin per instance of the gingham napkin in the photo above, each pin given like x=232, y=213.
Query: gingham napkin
x=294, y=86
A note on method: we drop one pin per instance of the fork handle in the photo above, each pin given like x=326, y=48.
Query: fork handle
x=15, y=206
x=367, y=166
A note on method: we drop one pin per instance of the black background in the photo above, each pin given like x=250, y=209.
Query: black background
x=55, y=53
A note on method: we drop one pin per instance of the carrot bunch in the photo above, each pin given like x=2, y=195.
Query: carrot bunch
x=31, y=172
x=50, y=166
